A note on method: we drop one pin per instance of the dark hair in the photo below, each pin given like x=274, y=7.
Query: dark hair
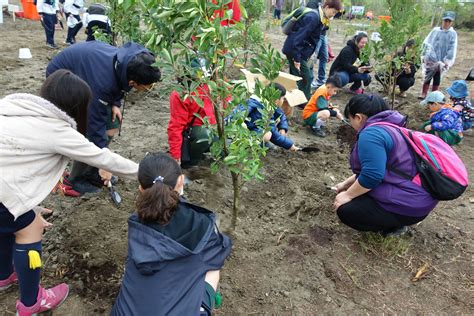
x=69, y=93
x=365, y=104
x=409, y=43
x=157, y=175
x=278, y=87
x=335, y=81
x=141, y=70
x=359, y=36
x=333, y=4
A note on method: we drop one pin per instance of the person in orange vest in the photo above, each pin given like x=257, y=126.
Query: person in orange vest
x=318, y=110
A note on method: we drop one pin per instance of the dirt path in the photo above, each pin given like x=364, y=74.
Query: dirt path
x=291, y=255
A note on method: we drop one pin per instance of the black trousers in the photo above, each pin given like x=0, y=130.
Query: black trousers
x=364, y=214
x=405, y=83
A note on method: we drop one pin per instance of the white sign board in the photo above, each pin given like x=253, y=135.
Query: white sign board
x=357, y=10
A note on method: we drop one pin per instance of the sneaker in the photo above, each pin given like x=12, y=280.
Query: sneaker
x=397, y=233
x=85, y=187
x=318, y=131
x=52, y=46
x=403, y=94
x=5, y=284
x=69, y=191
x=46, y=300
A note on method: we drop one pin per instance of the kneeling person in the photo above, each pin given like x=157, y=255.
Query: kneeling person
x=318, y=110
x=279, y=127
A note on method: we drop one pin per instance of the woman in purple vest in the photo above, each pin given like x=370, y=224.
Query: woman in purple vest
x=375, y=198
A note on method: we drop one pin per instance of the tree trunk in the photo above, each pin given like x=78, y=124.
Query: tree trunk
x=236, y=205
x=394, y=86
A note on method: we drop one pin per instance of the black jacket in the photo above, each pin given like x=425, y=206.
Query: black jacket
x=346, y=59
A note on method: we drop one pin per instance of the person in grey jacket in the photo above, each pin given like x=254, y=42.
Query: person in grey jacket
x=38, y=136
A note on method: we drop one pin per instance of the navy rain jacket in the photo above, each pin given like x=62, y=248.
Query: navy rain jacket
x=302, y=41
x=166, y=264
x=104, y=68
x=279, y=122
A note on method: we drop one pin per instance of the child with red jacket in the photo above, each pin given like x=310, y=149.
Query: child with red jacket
x=187, y=121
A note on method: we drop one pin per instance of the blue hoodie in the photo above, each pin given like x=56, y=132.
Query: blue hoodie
x=104, y=68
x=166, y=264
x=279, y=118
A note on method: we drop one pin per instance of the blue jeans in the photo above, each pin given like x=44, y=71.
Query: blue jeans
x=356, y=78
x=322, y=54
x=49, y=22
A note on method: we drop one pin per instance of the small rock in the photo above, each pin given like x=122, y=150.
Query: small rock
x=268, y=193
x=440, y=235
x=79, y=286
x=328, y=299
x=198, y=181
x=285, y=293
x=271, y=205
x=245, y=189
x=438, y=256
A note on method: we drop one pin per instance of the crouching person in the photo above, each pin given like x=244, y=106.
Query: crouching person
x=279, y=126
x=175, y=251
x=318, y=110
x=31, y=164
x=188, y=136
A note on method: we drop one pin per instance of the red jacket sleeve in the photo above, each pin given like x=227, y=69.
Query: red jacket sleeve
x=176, y=125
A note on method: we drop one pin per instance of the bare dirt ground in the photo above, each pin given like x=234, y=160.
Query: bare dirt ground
x=291, y=255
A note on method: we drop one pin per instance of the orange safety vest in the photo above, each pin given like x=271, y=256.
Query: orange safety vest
x=312, y=105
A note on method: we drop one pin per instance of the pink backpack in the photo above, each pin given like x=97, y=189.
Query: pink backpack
x=440, y=170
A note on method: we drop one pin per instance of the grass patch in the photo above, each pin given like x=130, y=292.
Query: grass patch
x=381, y=246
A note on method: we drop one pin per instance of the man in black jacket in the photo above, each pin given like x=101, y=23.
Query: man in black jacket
x=301, y=43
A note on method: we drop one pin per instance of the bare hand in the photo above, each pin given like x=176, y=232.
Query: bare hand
x=341, y=199
x=116, y=113
x=361, y=70
x=282, y=132
x=267, y=137
x=40, y=211
x=297, y=65
x=428, y=128
x=341, y=187
x=105, y=176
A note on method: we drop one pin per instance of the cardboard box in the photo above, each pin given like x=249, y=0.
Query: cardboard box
x=293, y=96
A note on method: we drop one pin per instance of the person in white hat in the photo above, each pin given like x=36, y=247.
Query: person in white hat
x=439, y=53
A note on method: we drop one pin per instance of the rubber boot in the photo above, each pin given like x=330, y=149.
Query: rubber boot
x=424, y=91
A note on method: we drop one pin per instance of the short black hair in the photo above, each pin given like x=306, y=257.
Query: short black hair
x=278, y=87
x=69, y=93
x=141, y=70
x=335, y=81
x=365, y=104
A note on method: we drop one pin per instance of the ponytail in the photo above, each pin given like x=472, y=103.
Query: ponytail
x=157, y=203
x=158, y=175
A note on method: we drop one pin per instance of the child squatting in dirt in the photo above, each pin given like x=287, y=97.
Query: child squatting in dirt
x=318, y=110
x=175, y=250
x=279, y=126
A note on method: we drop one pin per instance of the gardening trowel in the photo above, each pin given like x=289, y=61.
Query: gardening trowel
x=309, y=149
x=116, y=198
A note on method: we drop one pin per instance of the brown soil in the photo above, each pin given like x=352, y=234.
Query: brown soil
x=291, y=254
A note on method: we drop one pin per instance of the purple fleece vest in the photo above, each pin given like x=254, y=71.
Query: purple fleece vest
x=395, y=193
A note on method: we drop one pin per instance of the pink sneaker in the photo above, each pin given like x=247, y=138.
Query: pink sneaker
x=48, y=299
x=5, y=284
